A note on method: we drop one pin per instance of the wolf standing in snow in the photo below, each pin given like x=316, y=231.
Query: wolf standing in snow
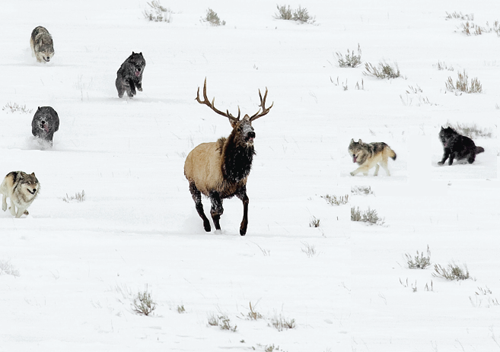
x=22, y=190
x=45, y=123
x=129, y=75
x=457, y=146
x=368, y=155
x=42, y=46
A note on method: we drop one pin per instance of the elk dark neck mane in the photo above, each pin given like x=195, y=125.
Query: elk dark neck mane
x=237, y=158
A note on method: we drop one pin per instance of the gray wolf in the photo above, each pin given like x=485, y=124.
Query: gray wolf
x=129, y=75
x=457, y=146
x=45, y=123
x=220, y=169
x=42, y=46
x=368, y=155
x=22, y=190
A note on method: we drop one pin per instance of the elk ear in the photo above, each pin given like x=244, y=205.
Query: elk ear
x=233, y=123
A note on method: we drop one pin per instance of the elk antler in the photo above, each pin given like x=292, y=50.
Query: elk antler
x=211, y=105
x=263, y=106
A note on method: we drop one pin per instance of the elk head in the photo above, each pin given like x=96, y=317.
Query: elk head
x=244, y=132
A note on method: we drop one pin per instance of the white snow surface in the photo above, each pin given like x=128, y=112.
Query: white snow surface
x=69, y=271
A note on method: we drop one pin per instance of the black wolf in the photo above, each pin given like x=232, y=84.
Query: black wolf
x=457, y=146
x=129, y=75
x=45, y=123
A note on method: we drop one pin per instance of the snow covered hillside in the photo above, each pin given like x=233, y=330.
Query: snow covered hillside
x=70, y=271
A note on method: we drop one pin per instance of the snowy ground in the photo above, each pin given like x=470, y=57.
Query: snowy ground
x=69, y=272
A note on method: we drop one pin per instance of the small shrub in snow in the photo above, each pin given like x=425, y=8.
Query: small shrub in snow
x=78, y=197
x=299, y=15
x=7, y=269
x=451, y=272
x=284, y=13
x=181, y=309
x=212, y=18
x=459, y=16
x=334, y=200
x=157, y=12
x=419, y=261
x=143, y=303
x=308, y=249
x=272, y=348
x=470, y=28
x=383, y=71
x=361, y=190
x=472, y=130
x=253, y=314
x=15, y=107
x=222, y=321
x=369, y=216
x=462, y=84
x=350, y=59
x=281, y=323
x=443, y=66
x=314, y=222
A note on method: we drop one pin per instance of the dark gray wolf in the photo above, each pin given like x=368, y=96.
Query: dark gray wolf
x=368, y=155
x=45, y=123
x=22, y=190
x=457, y=146
x=129, y=75
x=42, y=46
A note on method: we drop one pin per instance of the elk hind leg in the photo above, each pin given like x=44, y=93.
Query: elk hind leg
x=196, y=194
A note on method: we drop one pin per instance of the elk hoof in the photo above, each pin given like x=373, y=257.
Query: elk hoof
x=206, y=225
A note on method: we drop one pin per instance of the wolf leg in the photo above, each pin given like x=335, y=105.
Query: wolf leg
x=139, y=86
x=195, y=193
x=216, y=210
x=384, y=165
x=377, y=167
x=12, y=209
x=445, y=156
x=131, y=91
x=20, y=211
x=4, y=202
x=363, y=169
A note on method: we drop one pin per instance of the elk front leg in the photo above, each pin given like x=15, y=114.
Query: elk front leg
x=216, y=210
x=244, y=198
x=195, y=193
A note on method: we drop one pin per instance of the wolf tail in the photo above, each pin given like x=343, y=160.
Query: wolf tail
x=479, y=150
x=393, y=155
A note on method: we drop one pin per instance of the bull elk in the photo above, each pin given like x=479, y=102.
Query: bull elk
x=220, y=169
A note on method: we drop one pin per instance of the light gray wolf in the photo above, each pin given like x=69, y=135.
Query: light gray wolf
x=129, y=75
x=22, y=189
x=45, y=123
x=457, y=146
x=368, y=155
x=42, y=46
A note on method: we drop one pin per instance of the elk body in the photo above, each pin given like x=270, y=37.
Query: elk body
x=220, y=169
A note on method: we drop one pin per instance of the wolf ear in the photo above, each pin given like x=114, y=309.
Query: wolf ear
x=33, y=174
x=360, y=141
x=352, y=140
x=38, y=108
x=133, y=53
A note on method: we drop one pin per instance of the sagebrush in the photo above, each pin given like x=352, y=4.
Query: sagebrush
x=471, y=130
x=361, y=190
x=368, y=216
x=334, y=200
x=281, y=323
x=384, y=70
x=462, y=84
x=300, y=15
x=350, y=59
x=78, y=197
x=222, y=321
x=157, y=12
x=452, y=272
x=143, y=303
x=420, y=260
x=213, y=18
x=15, y=107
